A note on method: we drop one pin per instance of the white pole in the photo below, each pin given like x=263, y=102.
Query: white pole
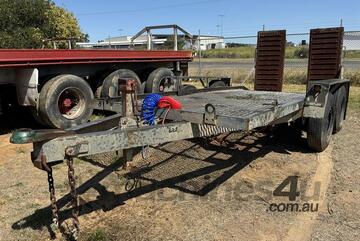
x=199, y=52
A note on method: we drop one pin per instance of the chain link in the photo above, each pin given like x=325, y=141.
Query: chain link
x=54, y=209
x=74, y=200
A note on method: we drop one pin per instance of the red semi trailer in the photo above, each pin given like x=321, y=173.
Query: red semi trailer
x=58, y=85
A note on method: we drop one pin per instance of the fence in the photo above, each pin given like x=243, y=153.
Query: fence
x=237, y=60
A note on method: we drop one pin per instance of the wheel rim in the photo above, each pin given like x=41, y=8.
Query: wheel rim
x=166, y=84
x=71, y=103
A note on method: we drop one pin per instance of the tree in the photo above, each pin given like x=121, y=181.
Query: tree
x=26, y=23
x=301, y=52
x=169, y=43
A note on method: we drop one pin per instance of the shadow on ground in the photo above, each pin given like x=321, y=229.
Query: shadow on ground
x=282, y=141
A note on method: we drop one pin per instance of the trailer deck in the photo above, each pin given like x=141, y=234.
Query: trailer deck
x=204, y=113
x=237, y=108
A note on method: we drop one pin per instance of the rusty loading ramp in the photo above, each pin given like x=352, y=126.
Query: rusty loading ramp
x=236, y=109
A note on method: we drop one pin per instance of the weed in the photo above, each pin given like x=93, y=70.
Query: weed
x=19, y=184
x=20, y=150
x=96, y=117
x=97, y=235
x=34, y=206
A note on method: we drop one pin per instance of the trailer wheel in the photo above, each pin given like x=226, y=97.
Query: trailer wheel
x=110, y=86
x=64, y=101
x=160, y=80
x=320, y=129
x=340, y=107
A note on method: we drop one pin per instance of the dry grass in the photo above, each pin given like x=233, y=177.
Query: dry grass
x=294, y=52
x=291, y=75
x=237, y=75
x=354, y=98
x=354, y=76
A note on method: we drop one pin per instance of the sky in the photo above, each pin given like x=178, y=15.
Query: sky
x=101, y=19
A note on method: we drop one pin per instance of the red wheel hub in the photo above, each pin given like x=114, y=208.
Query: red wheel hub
x=67, y=102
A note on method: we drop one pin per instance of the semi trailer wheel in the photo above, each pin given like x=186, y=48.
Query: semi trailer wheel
x=110, y=87
x=340, y=107
x=160, y=80
x=217, y=83
x=320, y=129
x=36, y=115
x=64, y=101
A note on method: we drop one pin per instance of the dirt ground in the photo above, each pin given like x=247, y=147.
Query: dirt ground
x=201, y=189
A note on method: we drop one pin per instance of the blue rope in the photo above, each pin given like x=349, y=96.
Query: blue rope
x=149, y=106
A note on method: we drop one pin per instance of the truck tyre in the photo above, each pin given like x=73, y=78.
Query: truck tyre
x=320, y=129
x=35, y=114
x=110, y=87
x=64, y=101
x=160, y=81
x=217, y=83
x=340, y=107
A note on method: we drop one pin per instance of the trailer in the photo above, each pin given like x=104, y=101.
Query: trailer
x=152, y=119
x=58, y=85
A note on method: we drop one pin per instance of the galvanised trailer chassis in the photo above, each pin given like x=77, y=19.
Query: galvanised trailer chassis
x=205, y=112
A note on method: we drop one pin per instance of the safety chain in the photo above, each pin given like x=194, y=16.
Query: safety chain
x=74, y=200
x=54, y=209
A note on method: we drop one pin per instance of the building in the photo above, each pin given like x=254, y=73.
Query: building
x=208, y=42
x=158, y=42
x=123, y=42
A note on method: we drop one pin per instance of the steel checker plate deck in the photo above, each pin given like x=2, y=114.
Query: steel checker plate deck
x=325, y=52
x=270, y=54
x=238, y=109
x=234, y=110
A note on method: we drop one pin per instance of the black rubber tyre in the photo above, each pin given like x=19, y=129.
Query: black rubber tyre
x=110, y=86
x=42, y=112
x=340, y=107
x=217, y=83
x=186, y=89
x=143, y=87
x=158, y=81
x=35, y=114
x=64, y=101
x=320, y=130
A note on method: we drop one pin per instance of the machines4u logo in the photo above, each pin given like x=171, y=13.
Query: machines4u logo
x=289, y=188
